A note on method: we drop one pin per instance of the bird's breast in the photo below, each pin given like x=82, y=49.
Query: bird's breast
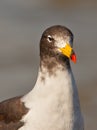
x=52, y=105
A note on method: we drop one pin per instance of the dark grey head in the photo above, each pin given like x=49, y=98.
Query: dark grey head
x=56, y=43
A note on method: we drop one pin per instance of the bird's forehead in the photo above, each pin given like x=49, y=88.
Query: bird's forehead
x=60, y=37
x=61, y=40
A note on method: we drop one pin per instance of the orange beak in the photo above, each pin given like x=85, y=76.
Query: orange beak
x=68, y=51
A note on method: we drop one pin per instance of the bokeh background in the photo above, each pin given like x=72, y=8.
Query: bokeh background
x=21, y=25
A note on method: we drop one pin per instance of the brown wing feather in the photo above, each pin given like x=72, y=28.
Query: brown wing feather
x=11, y=112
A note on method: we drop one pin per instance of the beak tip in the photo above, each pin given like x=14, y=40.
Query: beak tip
x=73, y=58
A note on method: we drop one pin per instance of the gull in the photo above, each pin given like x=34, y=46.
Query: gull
x=53, y=103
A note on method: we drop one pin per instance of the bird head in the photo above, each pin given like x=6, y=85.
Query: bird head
x=57, y=40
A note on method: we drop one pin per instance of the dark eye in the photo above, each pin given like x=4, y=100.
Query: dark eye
x=49, y=38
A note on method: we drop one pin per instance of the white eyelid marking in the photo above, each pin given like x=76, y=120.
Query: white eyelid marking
x=49, y=37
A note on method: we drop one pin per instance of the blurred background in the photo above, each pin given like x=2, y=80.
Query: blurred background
x=21, y=25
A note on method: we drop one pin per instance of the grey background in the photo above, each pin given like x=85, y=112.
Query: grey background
x=21, y=25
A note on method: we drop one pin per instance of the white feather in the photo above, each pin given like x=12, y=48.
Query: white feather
x=53, y=104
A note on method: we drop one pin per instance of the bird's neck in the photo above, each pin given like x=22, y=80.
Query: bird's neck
x=54, y=76
x=50, y=64
x=54, y=98
x=57, y=75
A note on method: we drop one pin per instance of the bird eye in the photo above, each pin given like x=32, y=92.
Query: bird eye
x=49, y=38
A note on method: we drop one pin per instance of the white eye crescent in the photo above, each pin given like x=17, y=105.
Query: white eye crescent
x=49, y=38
